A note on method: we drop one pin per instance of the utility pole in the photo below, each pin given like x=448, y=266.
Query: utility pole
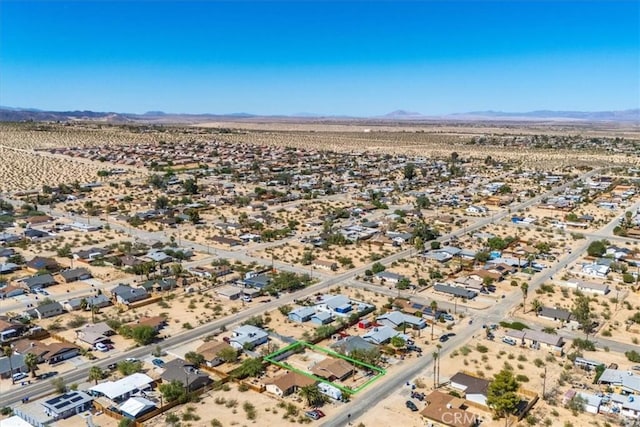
x=544, y=383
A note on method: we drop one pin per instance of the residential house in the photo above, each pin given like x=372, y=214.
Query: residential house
x=301, y=314
x=627, y=405
x=125, y=294
x=120, y=390
x=47, y=353
x=91, y=254
x=380, y=335
x=67, y=404
x=338, y=305
x=324, y=264
x=10, y=330
x=473, y=388
x=9, y=368
x=623, y=381
x=390, y=277
x=186, y=374
x=11, y=291
x=39, y=263
x=586, y=287
x=556, y=314
x=351, y=343
x=447, y=410
x=210, y=350
x=332, y=369
x=160, y=285
x=455, y=291
x=41, y=281
x=73, y=275
x=136, y=407
x=537, y=339
x=248, y=335
x=288, y=383
x=97, y=301
x=156, y=322
x=158, y=257
x=51, y=309
x=591, y=402
x=94, y=333
x=8, y=268
x=35, y=234
x=321, y=318
x=259, y=281
x=229, y=292
x=397, y=319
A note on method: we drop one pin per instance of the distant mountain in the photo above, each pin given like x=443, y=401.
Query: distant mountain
x=632, y=115
x=402, y=114
x=31, y=114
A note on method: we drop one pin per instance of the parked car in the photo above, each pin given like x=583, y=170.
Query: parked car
x=158, y=362
x=509, y=341
x=112, y=366
x=444, y=338
x=19, y=376
x=131, y=359
x=102, y=347
x=416, y=395
x=316, y=414
x=409, y=404
x=412, y=347
x=46, y=375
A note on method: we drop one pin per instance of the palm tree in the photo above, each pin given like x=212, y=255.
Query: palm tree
x=312, y=394
x=31, y=360
x=524, y=287
x=8, y=352
x=536, y=305
x=96, y=374
x=435, y=364
x=434, y=310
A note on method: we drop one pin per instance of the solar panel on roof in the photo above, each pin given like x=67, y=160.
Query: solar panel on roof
x=417, y=306
x=60, y=405
x=76, y=398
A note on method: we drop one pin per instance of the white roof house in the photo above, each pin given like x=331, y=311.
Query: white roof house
x=136, y=406
x=118, y=390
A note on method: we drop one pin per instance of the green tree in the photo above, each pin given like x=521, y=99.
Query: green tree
x=127, y=368
x=403, y=284
x=312, y=394
x=409, y=171
x=398, y=342
x=418, y=243
x=96, y=374
x=228, y=354
x=195, y=358
x=125, y=422
x=582, y=313
x=194, y=215
x=536, y=306
x=173, y=391
x=251, y=367
x=482, y=256
x=597, y=248
x=190, y=186
x=502, y=395
x=58, y=385
x=377, y=268
x=143, y=334
x=31, y=360
x=162, y=202
x=371, y=357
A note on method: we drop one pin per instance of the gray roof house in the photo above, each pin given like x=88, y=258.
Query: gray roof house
x=125, y=294
x=248, y=335
x=75, y=274
x=351, y=343
x=17, y=363
x=188, y=375
x=49, y=310
x=455, y=291
x=380, y=335
x=557, y=314
x=41, y=281
x=67, y=405
x=395, y=319
x=389, y=276
x=301, y=314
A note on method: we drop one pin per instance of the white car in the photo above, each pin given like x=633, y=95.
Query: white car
x=19, y=376
x=102, y=347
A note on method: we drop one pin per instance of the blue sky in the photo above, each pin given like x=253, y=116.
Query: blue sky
x=342, y=58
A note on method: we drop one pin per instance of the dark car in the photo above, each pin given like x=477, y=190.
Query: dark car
x=411, y=406
x=415, y=348
x=158, y=362
x=444, y=338
x=112, y=366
